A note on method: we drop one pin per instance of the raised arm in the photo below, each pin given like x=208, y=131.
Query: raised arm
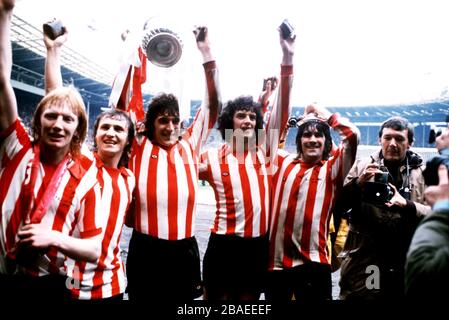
x=8, y=103
x=349, y=135
x=53, y=77
x=207, y=115
x=281, y=107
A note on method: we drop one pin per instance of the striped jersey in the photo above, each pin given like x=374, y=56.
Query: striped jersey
x=303, y=198
x=241, y=180
x=167, y=178
x=106, y=277
x=71, y=211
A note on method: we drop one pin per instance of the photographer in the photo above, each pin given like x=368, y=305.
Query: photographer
x=427, y=267
x=384, y=214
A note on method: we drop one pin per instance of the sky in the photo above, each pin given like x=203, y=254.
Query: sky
x=348, y=52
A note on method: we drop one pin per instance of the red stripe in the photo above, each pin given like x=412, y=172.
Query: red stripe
x=191, y=190
x=308, y=216
x=8, y=174
x=277, y=213
x=122, y=103
x=13, y=224
x=289, y=247
x=229, y=195
x=109, y=232
x=210, y=71
x=247, y=199
x=152, y=191
x=172, y=206
x=78, y=274
x=211, y=180
x=6, y=182
x=261, y=184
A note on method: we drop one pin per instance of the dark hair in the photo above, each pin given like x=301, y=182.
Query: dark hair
x=246, y=103
x=163, y=103
x=398, y=124
x=320, y=127
x=118, y=115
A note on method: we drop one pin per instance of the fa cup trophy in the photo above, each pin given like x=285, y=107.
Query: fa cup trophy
x=162, y=46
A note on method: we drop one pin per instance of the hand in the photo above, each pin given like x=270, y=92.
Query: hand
x=368, y=173
x=318, y=110
x=36, y=236
x=439, y=192
x=288, y=48
x=201, y=37
x=7, y=5
x=59, y=41
x=140, y=127
x=271, y=85
x=202, y=41
x=397, y=199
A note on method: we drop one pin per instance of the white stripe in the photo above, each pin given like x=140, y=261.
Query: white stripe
x=162, y=195
x=218, y=180
x=182, y=185
x=143, y=181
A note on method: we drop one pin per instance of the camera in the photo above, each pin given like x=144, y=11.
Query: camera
x=377, y=191
x=54, y=29
x=430, y=173
x=292, y=122
x=287, y=29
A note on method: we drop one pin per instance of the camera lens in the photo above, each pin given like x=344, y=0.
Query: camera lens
x=292, y=122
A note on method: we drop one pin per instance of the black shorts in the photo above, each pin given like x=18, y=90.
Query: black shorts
x=21, y=287
x=235, y=264
x=160, y=269
x=309, y=282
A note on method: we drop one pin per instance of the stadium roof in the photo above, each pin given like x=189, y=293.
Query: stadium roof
x=93, y=81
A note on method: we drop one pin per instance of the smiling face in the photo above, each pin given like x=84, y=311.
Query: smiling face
x=111, y=139
x=312, y=145
x=58, y=125
x=166, y=130
x=244, y=122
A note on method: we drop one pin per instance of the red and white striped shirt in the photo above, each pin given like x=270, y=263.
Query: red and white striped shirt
x=106, y=277
x=167, y=178
x=242, y=182
x=72, y=210
x=241, y=188
x=303, y=199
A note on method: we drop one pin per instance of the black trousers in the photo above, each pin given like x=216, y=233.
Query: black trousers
x=310, y=282
x=164, y=270
x=27, y=288
x=234, y=266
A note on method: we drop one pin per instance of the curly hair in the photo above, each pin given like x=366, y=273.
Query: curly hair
x=162, y=104
x=320, y=127
x=117, y=115
x=246, y=103
x=73, y=99
x=398, y=124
